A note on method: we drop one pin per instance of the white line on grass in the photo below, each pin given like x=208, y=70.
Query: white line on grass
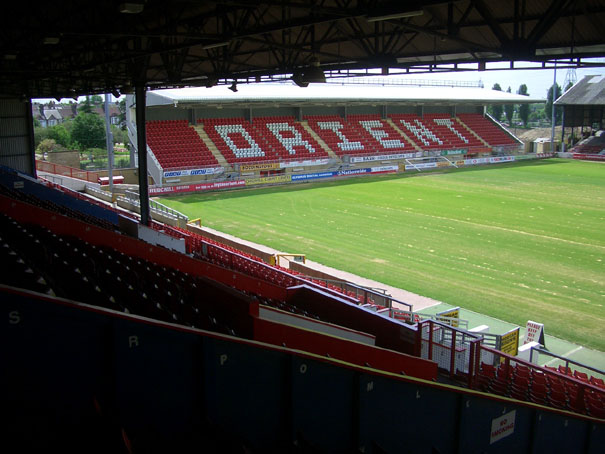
x=566, y=355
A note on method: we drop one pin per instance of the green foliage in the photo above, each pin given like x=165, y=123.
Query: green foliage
x=509, y=111
x=48, y=146
x=119, y=135
x=517, y=242
x=523, y=108
x=88, y=131
x=60, y=134
x=122, y=117
x=549, y=103
x=122, y=163
x=86, y=106
x=40, y=134
x=496, y=109
x=96, y=100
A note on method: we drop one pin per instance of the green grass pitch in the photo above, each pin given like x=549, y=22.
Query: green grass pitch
x=518, y=242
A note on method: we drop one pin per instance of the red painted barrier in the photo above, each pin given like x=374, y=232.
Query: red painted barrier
x=344, y=350
x=589, y=157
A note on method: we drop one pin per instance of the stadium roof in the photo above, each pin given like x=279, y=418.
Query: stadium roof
x=70, y=48
x=590, y=91
x=332, y=93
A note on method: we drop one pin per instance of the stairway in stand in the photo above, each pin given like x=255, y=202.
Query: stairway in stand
x=319, y=140
x=212, y=147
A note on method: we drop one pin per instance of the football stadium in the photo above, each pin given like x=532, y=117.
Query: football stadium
x=304, y=257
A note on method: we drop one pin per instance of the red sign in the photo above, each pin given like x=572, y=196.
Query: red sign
x=196, y=187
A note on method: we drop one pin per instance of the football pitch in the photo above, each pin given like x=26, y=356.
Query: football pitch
x=514, y=241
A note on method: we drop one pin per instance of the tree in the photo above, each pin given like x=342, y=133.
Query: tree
x=96, y=100
x=48, y=146
x=549, y=103
x=40, y=134
x=60, y=135
x=509, y=110
x=523, y=108
x=119, y=135
x=86, y=105
x=122, y=117
x=496, y=109
x=88, y=131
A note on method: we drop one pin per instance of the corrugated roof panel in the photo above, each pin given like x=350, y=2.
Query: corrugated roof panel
x=589, y=91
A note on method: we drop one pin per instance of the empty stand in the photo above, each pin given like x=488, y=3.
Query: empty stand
x=487, y=130
x=177, y=145
x=341, y=136
x=380, y=135
x=74, y=269
x=288, y=139
x=452, y=132
x=238, y=141
x=436, y=132
x=417, y=130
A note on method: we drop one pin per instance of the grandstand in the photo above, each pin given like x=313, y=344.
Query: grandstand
x=206, y=135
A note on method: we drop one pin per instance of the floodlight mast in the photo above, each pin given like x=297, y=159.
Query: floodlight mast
x=554, y=93
x=109, y=143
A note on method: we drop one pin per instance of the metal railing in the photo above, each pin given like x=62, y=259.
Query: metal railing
x=366, y=295
x=60, y=169
x=154, y=167
x=448, y=346
x=564, y=361
x=156, y=207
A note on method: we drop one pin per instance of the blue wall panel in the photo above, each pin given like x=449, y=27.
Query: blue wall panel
x=53, y=368
x=246, y=391
x=170, y=389
x=559, y=433
x=158, y=382
x=324, y=405
x=393, y=416
x=481, y=419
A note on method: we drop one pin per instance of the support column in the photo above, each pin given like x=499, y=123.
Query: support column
x=140, y=100
x=563, y=148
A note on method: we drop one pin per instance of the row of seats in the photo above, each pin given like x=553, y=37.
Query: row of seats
x=288, y=138
x=176, y=145
x=487, y=130
x=282, y=138
x=232, y=258
x=582, y=376
x=436, y=131
x=49, y=205
x=71, y=268
x=542, y=386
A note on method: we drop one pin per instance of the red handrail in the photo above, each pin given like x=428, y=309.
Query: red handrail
x=60, y=169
